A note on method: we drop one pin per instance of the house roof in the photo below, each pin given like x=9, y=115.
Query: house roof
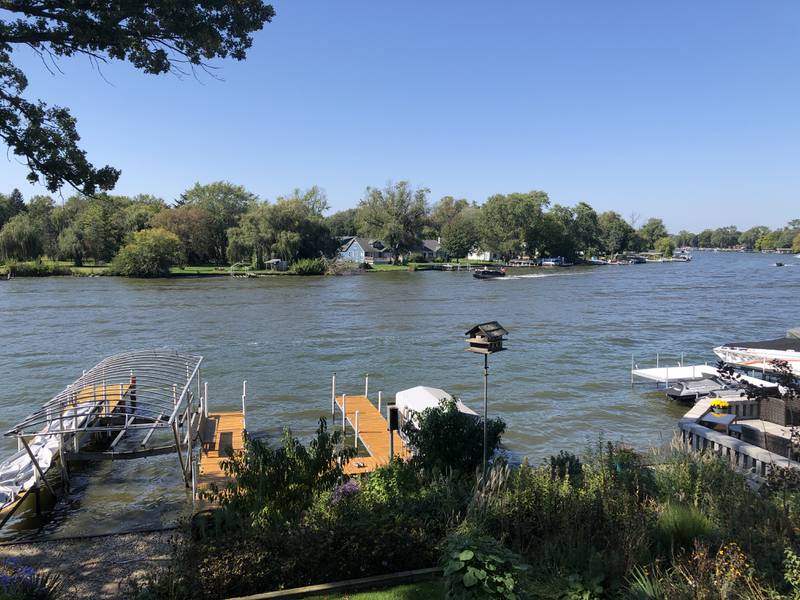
x=431, y=245
x=365, y=244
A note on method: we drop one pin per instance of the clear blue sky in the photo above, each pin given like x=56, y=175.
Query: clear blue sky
x=685, y=110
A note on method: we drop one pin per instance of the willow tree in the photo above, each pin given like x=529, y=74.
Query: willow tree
x=395, y=215
x=152, y=35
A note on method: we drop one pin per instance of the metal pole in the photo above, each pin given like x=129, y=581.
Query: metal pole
x=657, y=365
x=355, y=442
x=205, y=399
x=632, y=368
x=380, y=397
x=333, y=400
x=37, y=467
x=244, y=398
x=391, y=433
x=366, y=385
x=344, y=413
x=485, y=409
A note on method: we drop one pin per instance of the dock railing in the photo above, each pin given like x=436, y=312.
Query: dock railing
x=741, y=455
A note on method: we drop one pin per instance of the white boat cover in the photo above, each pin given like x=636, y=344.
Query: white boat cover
x=417, y=399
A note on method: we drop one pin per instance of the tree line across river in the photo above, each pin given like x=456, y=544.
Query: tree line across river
x=222, y=223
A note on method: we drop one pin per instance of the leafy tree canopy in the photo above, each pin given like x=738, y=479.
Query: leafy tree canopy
x=150, y=253
x=395, y=215
x=154, y=36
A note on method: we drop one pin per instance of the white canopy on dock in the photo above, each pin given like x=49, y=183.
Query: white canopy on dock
x=419, y=398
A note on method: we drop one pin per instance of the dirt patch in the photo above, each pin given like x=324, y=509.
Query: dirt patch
x=94, y=567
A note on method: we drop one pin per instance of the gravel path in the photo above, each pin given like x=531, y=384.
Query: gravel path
x=94, y=567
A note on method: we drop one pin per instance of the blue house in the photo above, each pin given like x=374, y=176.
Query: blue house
x=361, y=250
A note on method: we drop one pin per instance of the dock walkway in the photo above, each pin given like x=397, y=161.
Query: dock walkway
x=222, y=432
x=373, y=434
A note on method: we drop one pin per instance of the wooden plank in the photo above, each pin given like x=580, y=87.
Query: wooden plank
x=223, y=431
x=373, y=434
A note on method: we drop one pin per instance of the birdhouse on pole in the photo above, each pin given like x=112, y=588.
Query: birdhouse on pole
x=486, y=338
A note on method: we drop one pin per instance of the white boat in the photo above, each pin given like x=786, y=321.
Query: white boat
x=414, y=401
x=557, y=261
x=759, y=355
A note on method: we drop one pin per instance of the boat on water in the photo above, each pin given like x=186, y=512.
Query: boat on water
x=758, y=356
x=714, y=385
x=556, y=261
x=489, y=273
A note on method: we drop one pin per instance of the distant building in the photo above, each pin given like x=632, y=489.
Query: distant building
x=431, y=249
x=361, y=250
x=478, y=254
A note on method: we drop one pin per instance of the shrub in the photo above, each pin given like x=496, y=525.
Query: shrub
x=567, y=465
x=150, y=253
x=445, y=438
x=277, y=485
x=678, y=526
x=309, y=266
x=480, y=567
x=20, y=582
x=391, y=483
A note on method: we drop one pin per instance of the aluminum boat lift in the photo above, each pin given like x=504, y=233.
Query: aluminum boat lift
x=133, y=393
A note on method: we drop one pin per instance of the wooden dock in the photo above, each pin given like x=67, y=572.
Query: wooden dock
x=222, y=432
x=373, y=435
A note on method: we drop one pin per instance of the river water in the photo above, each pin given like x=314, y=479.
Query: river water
x=563, y=382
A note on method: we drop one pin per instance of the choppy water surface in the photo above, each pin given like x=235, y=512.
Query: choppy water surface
x=563, y=381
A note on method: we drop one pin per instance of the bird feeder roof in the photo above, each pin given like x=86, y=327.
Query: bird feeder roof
x=491, y=330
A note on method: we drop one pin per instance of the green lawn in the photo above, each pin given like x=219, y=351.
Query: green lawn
x=202, y=270
x=415, y=591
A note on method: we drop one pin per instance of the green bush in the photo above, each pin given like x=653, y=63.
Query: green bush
x=277, y=485
x=391, y=483
x=480, y=567
x=567, y=465
x=150, y=253
x=445, y=438
x=309, y=266
x=679, y=526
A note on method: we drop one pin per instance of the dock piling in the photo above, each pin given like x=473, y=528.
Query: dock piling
x=244, y=399
x=333, y=400
x=355, y=440
x=366, y=386
x=380, y=395
x=344, y=414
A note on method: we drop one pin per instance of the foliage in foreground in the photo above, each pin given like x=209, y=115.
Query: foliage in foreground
x=481, y=567
x=612, y=524
x=445, y=438
x=20, y=582
x=275, y=485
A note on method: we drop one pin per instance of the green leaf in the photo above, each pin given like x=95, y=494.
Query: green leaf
x=469, y=579
x=453, y=567
x=466, y=555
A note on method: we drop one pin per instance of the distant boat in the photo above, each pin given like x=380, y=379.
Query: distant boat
x=487, y=273
x=558, y=261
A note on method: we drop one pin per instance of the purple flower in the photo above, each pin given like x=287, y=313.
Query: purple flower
x=346, y=489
